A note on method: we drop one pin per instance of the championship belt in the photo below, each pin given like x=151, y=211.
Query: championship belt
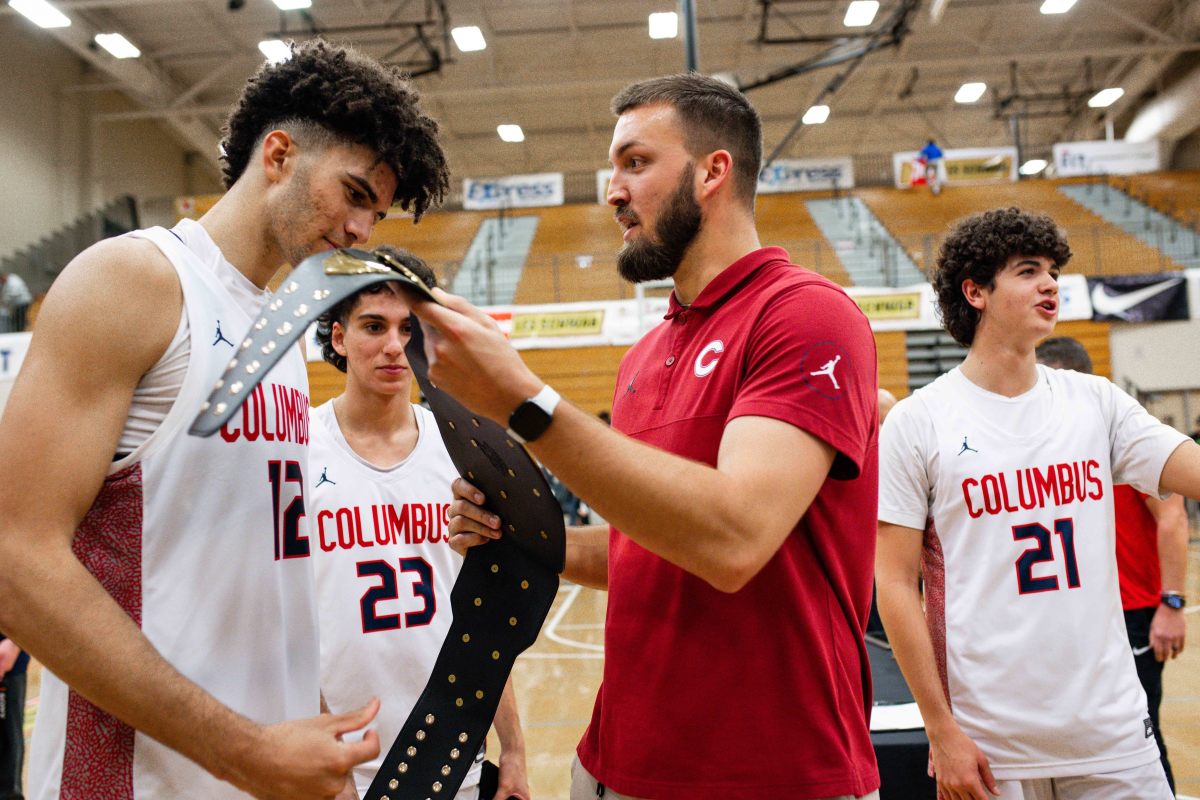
x=506, y=586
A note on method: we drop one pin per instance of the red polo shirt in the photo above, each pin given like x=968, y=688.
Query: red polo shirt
x=764, y=692
x=1138, y=570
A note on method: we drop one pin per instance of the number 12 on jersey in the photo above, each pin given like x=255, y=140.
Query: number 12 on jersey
x=289, y=541
x=1041, y=551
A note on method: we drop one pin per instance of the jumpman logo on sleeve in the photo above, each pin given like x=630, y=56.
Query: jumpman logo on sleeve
x=966, y=447
x=325, y=478
x=827, y=371
x=220, y=337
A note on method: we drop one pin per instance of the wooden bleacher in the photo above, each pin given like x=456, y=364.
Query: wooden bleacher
x=552, y=273
x=1176, y=194
x=783, y=220
x=917, y=219
x=441, y=238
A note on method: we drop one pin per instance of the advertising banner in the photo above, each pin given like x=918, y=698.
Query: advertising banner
x=603, y=176
x=961, y=167
x=1139, y=298
x=805, y=175
x=1106, y=158
x=513, y=191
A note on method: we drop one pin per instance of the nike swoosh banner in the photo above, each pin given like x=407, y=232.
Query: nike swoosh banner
x=1139, y=298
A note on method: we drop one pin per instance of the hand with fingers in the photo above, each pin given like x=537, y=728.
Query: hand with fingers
x=305, y=759
x=1168, y=631
x=960, y=767
x=470, y=523
x=470, y=358
x=513, y=779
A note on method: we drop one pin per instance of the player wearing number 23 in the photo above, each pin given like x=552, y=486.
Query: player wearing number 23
x=380, y=509
x=996, y=481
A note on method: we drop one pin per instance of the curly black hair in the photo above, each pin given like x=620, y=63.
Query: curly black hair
x=976, y=248
x=352, y=97
x=344, y=308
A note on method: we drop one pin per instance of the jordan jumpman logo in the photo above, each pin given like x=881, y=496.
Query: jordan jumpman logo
x=325, y=478
x=827, y=371
x=966, y=447
x=220, y=336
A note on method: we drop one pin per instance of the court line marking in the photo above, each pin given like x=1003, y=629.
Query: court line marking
x=551, y=629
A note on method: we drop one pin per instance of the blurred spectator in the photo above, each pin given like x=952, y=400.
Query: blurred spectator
x=931, y=157
x=13, y=662
x=14, y=300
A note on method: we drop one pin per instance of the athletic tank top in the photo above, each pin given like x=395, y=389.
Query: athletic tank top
x=204, y=543
x=384, y=575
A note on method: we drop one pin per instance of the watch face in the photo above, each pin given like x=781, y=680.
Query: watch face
x=1173, y=601
x=529, y=421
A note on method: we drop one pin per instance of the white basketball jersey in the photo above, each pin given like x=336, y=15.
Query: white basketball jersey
x=384, y=575
x=205, y=544
x=1020, y=566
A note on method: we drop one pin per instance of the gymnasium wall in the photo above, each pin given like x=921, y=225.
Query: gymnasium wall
x=60, y=161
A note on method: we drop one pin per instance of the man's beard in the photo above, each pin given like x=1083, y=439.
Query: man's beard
x=653, y=258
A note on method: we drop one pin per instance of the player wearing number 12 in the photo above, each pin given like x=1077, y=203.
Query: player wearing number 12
x=996, y=481
x=164, y=579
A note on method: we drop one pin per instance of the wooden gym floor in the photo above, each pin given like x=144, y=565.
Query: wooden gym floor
x=556, y=682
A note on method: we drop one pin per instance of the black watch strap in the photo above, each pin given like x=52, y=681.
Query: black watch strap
x=1173, y=600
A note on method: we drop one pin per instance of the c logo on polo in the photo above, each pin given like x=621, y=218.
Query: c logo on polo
x=712, y=352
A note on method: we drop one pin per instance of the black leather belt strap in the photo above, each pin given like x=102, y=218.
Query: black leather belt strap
x=505, y=588
x=313, y=287
x=500, y=600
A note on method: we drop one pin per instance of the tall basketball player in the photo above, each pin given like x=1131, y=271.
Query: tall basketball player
x=997, y=480
x=163, y=579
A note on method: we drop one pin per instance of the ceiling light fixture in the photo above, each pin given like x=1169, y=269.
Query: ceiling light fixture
x=293, y=5
x=970, y=92
x=1057, y=6
x=1033, y=166
x=815, y=115
x=861, y=13
x=510, y=133
x=117, y=45
x=468, y=38
x=276, y=50
x=1105, y=97
x=40, y=13
x=664, y=25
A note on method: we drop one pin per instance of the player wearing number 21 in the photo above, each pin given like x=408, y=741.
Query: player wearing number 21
x=996, y=483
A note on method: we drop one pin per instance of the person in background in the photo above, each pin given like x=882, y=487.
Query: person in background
x=1152, y=540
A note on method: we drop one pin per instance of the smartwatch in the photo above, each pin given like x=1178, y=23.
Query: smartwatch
x=1173, y=600
x=532, y=418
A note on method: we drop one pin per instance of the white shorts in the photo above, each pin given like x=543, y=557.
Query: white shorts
x=1147, y=782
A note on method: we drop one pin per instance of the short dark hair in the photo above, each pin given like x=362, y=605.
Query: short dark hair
x=354, y=99
x=1063, y=352
x=341, y=312
x=976, y=248
x=715, y=116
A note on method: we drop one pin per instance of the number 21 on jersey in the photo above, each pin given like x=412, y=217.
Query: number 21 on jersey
x=1041, y=550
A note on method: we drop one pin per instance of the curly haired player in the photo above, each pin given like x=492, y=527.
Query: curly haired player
x=996, y=480
x=164, y=579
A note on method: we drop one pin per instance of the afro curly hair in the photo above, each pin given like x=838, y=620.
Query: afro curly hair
x=353, y=98
x=976, y=248
x=341, y=312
